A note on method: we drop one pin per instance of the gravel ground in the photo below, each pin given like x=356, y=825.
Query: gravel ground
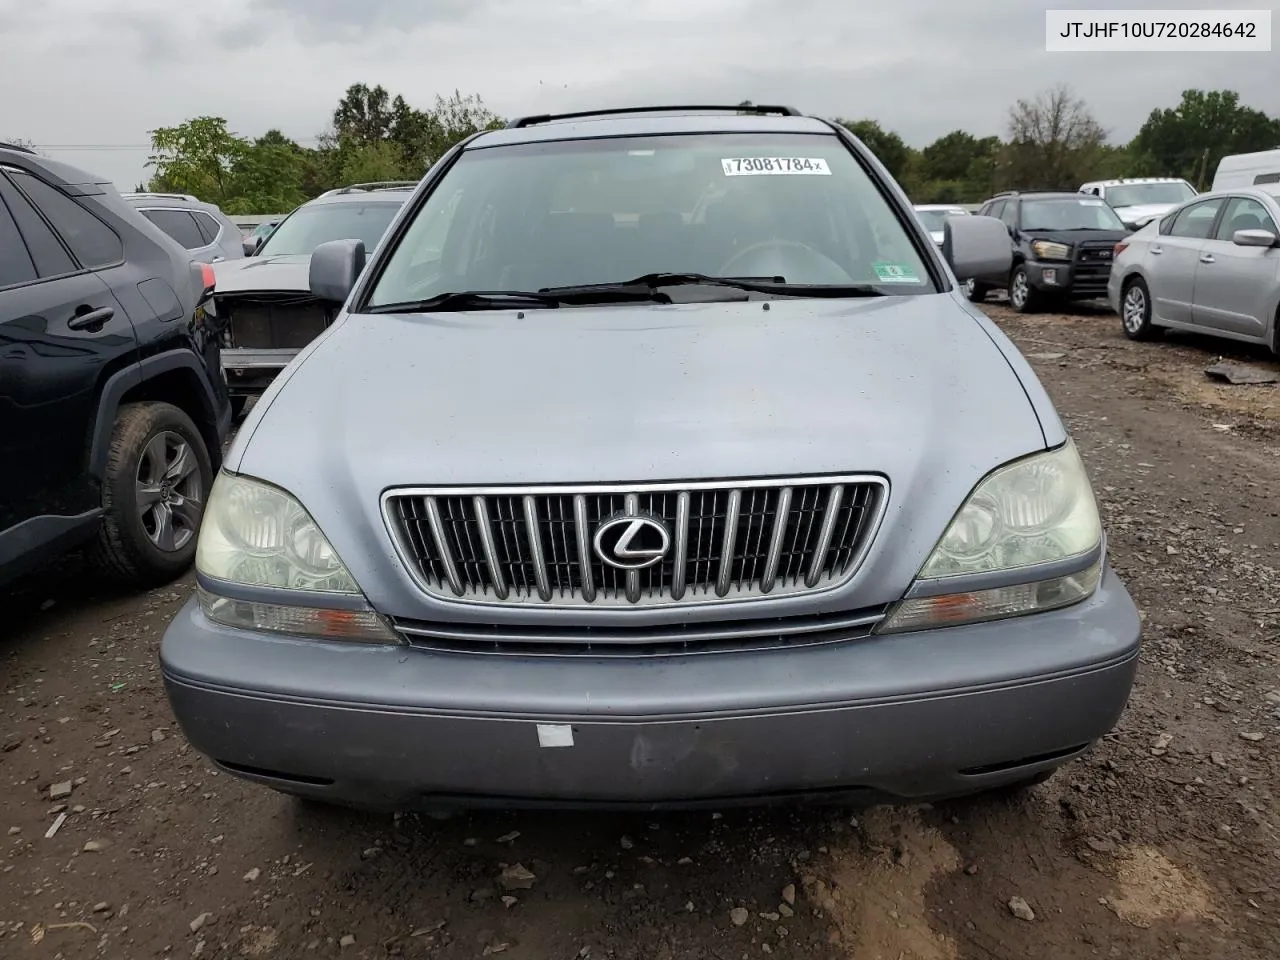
x=1164, y=842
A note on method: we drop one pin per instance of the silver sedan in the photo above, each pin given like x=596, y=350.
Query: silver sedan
x=1212, y=265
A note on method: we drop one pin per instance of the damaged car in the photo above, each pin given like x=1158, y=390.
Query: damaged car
x=264, y=309
x=654, y=458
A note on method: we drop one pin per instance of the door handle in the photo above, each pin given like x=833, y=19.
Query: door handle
x=217, y=259
x=1157, y=249
x=1206, y=258
x=87, y=317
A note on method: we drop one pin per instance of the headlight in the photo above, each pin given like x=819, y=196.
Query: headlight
x=257, y=535
x=1037, y=510
x=1048, y=250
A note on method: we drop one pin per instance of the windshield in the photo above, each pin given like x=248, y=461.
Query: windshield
x=543, y=215
x=1068, y=213
x=309, y=227
x=1136, y=194
x=934, y=219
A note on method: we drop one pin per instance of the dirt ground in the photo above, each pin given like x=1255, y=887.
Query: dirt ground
x=1163, y=843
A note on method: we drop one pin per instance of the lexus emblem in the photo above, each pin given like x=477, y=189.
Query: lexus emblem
x=632, y=542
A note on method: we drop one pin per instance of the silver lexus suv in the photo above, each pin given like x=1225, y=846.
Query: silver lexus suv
x=654, y=458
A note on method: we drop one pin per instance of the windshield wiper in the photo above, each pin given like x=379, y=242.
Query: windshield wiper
x=655, y=281
x=470, y=300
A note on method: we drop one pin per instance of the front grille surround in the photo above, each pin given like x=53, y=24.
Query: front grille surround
x=829, y=525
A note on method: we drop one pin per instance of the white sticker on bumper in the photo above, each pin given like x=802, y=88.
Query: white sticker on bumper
x=555, y=735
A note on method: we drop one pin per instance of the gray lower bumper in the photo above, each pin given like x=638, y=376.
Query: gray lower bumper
x=915, y=716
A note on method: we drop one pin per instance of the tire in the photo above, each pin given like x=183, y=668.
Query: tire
x=976, y=292
x=1023, y=297
x=157, y=462
x=1135, y=310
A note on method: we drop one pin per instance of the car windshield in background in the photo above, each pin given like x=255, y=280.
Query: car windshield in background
x=933, y=220
x=1068, y=213
x=1137, y=194
x=584, y=212
x=309, y=227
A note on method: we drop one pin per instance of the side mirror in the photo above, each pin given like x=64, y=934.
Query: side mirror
x=335, y=267
x=976, y=247
x=1253, y=238
x=251, y=246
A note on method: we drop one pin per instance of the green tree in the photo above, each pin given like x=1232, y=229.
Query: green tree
x=268, y=177
x=889, y=148
x=1054, y=141
x=364, y=114
x=1190, y=139
x=197, y=157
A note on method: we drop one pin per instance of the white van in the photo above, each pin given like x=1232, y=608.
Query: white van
x=1250, y=170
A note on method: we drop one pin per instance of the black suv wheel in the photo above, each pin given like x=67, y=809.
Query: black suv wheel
x=1023, y=297
x=157, y=481
x=975, y=291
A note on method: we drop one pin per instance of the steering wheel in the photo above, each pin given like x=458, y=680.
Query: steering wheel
x=820, y=263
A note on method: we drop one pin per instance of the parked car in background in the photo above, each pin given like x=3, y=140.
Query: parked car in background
x=258, y=235
x=1212, y=265
x=1138, y=201
x=265, y=311
x=934, y=216
x=1062, y=248
x=113, y=409
x=537, y=521
x=1261, y=169
x=203, y=230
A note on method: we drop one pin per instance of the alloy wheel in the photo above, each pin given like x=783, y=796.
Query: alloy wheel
x=169, y=492
x=1018, y=294
x=1135, y=309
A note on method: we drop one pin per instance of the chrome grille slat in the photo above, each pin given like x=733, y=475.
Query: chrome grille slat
x=729, y=541
x=540, y=576
x=490, y=549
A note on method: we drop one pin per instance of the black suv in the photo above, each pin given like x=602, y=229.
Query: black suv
x=1063, y=244
x=113, y=408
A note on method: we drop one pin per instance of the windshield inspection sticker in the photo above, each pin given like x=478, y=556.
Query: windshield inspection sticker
x=895, y=273
x=775, y=166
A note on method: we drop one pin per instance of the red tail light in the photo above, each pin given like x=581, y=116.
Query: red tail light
x=1120, y=248
x=203, y=274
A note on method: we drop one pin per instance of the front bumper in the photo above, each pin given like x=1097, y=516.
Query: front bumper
x=1068, y=279
x=907, y=717
x=250, y=371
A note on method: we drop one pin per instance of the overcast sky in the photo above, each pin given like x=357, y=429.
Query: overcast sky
x=105, y=72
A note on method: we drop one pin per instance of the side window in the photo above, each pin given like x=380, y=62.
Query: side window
x=994, y=208
x=1196, y=221
x=1266, y=178
x=1166, y=225
x=1010, y=214
x=207, y=226
x=1244, y=213
x=92, y=241
x=15, y=263
x=179, y=225
x=48, y=253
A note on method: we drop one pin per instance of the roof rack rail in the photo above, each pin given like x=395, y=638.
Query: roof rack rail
x=5, y=145
x=370, y=187
x=162, y=196
x=688, y=108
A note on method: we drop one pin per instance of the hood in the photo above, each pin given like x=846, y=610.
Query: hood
x=1073, y=237
x=289, y=273
x=914, y=388
x=1141, y=212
